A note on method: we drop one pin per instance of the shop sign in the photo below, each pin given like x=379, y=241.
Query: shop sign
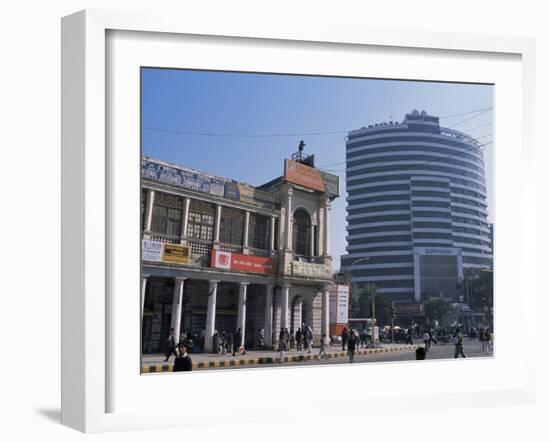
x=175, y=254
x=231, y=191
x=303, y=175
x=242, y=263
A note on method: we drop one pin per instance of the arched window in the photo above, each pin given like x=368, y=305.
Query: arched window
x=301, y=233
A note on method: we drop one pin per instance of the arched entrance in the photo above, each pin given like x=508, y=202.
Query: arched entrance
x=296, y=314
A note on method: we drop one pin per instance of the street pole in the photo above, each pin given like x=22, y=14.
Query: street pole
x=392, y=323
x=373, y=318
x=352, y=283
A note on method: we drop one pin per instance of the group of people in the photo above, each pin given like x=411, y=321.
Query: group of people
x=302, y=339
x=226, y=342
x=485, y=338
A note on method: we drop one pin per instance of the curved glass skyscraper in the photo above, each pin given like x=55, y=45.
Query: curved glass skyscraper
x=417, y=210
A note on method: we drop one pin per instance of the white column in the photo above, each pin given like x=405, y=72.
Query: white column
x=210, y=315
x=325, y=315
x=149, y=209
x=321, y=230
x=312, y=240
x=176, y=307
x=288, y=229
x=143, y=289
x=268, y=322
x=326, y=238
x=185, y=218
x=285, y=290
x=241, y=312
x=416, y=261
x=272, y=234
x=246, y=226
x=218, y=221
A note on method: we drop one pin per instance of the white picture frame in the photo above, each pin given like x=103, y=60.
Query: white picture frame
x=87, y=354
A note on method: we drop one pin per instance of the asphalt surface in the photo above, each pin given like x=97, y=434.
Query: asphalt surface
x=472, y=349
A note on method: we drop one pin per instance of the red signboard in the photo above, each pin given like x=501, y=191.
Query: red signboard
x=242, y=263
x=303, y=175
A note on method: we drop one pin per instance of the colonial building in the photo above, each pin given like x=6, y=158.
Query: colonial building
x=219, y=255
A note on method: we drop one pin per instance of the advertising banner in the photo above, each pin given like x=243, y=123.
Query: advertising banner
x=157, y=251
x=151, y=250
x=242, y=263
x=182, y=177
x=339, y=304
x=175, y=254
x=303, y=175
x=332, y=184
x=409, y=308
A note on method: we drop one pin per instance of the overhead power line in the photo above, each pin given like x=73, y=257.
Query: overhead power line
x=297, y=134
x=227, y=135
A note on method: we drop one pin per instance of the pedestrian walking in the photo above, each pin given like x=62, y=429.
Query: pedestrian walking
x=322, y=348
x=409, y=336
x=237, y=340
x=486, y=341
x=364, y=337
x=345, y=336
x=287, y=338
x=202, y=337
x=183, y=360
x=426, y=339
x=352, y=344
x=420, y=353
x=282, y=346
x=216, y=342
x=261, y=339
x=171, y=343
x=298, y=339
x=458, y=341
x=309, y=339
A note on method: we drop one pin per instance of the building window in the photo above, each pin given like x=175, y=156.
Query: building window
x=143, y=207
x=232, y=226
x=301, y=234
x=258, y=231
x=167, y=213
x=201, y=220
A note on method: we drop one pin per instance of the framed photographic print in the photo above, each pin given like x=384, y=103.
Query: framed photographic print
x=267, y=209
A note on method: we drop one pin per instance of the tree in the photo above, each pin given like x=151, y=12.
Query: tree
x=436, y=308
x=366, y=294
x=383, y=305
x=480, y=289
x=354, y=306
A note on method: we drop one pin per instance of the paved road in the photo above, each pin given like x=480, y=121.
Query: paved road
x=472, y=348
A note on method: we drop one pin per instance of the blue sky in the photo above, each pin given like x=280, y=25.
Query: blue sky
x=218, y=104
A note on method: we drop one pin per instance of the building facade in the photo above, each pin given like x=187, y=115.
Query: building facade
x=417, y=208
x=219, y=255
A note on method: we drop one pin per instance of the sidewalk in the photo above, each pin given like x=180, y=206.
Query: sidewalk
x=155, y=364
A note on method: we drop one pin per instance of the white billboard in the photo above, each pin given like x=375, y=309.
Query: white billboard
x=339, y=304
